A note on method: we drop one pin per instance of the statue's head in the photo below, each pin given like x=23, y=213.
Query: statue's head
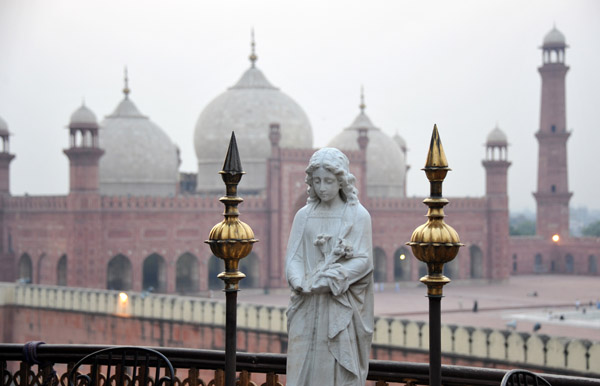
x=336, y=162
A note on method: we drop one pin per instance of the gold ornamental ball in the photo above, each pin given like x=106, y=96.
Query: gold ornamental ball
x=231, y=239
x=435, y=242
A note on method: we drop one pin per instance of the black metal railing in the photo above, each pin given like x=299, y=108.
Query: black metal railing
x=205, y=367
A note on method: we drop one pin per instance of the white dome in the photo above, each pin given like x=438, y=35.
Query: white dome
x=386, y=166
x=248, y=108
x=83, y=117
x=497, y=137
x=555, y=38
x=3, y=127
x=139, y=157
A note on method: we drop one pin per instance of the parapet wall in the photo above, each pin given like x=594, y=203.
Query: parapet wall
x=518, y=349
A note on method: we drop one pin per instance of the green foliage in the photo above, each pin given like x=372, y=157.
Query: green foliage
x=592, y=230
x=522, y=226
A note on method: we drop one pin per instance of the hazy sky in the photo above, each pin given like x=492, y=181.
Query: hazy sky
x=465, y=65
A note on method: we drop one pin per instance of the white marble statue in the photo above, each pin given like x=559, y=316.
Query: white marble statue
x=329, y=267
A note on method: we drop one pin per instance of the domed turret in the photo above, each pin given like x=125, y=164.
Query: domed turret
x=555, y=38
x=248, y=108
x=386, y=164
x=83, y=118
x=553, y=49
x=140, y=159
x=496, y=137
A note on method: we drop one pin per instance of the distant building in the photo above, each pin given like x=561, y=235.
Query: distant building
x=131, y=221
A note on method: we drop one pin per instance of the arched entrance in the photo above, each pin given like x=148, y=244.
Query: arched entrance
x=118, y=273
x=249, y=265
x=451, y=269
x=402, y=264
x=592, y=264
x=154, y=275
x=538, y=265
x=476, y=263
x=215, y=267
x=380, y=262
x=61, y=271
x=569, y=263
x=186, y=274
x=25, y=270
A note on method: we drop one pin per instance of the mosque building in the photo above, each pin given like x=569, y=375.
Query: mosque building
x=132, y=221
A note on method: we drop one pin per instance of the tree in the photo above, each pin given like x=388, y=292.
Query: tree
x=592, y=230
x=521, y=226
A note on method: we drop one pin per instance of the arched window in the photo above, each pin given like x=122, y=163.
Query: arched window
x=569, y=264
x=402, y=264
x=538, y=266
x=380, y=265
x=186, y=275
x=215, y=267
x=451, y=269
x=592, y=264
x=61, y=271
x=118, y=273
x=154, y=275
x=25, y=273
x=41, y=270
x=476, y=262
x=249, y=265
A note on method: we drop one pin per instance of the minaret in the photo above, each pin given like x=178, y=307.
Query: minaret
x=496, y=166
x=553, y=194
x=84, y=151
x=5, y=159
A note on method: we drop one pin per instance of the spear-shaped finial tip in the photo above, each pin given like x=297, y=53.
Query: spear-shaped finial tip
x=232, y=164
x=436, y=158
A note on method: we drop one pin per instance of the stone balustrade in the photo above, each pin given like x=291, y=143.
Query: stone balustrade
x=516, y=348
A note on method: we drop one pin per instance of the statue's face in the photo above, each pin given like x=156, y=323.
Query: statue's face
x=325, y=184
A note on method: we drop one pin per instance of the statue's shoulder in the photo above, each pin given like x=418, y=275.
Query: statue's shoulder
x=304, y=211
x=361, y=211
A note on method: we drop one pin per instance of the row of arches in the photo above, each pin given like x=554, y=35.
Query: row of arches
x=561, y=264
x=403, y=265
x=25, y=270
x=190, y=276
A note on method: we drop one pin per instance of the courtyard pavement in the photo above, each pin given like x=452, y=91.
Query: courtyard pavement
x=563, y=305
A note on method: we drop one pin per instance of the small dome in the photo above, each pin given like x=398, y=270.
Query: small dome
x=555, y=38
x=248, y=108
x=400, y=141
x=386, y=166
x=83, y=118
x=497, y=137
x=3, y=127
x=139, y=159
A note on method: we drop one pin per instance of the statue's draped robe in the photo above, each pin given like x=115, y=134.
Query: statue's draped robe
x=329, y=333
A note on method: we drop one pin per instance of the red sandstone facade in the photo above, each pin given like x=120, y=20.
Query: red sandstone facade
x=86, y=239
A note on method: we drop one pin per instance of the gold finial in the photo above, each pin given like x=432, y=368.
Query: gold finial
x=435, y=242
x=126, y=89
x=252, y=56
x=231, y=239
x=362, y=99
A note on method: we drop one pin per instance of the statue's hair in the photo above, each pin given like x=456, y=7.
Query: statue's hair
x=336, y=162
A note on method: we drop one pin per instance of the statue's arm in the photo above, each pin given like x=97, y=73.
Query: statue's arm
x=294, y=264
x=341, y=275
x=361, y=235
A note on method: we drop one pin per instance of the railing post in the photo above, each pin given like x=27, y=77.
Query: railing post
x=435, y=243
x=231, y=240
